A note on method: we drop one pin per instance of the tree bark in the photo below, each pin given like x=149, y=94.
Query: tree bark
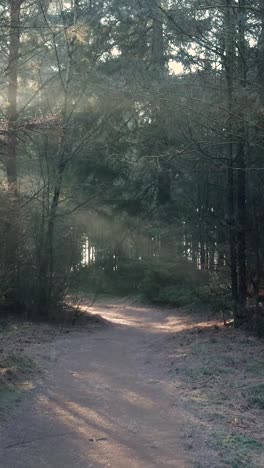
x=158, y=58
x=241, y=162
x=15, y=7
x=229, y=72
x=12, y=256
x=47, y=280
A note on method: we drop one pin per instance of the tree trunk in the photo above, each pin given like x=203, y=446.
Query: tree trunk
x=260, y=61
x=229, y=71
x=158, y=58
x=47, y=280
x=15, y=6
x=241, y=162
x=11, y=162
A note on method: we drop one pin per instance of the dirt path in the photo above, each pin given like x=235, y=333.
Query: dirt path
x=104, y=402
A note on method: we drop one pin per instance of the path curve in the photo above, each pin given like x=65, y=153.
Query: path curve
x=104, y=402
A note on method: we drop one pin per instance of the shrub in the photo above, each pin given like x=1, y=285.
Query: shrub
x=174, y=283
x=177, y=296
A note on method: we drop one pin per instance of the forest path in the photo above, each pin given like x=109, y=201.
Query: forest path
x=104, y=401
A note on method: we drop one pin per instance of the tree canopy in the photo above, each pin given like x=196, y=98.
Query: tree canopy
x=131, y=146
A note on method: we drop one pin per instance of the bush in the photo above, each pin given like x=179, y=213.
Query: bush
x=174, y=283
x=158, y=280
x=177, y=296
x=24, y=250
x=102, y=278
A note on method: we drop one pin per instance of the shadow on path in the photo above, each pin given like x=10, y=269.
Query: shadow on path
x=104, y=401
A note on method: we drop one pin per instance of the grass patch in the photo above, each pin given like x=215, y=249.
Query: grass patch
x=15, y=378
x=221, y=372
x=12, y=361
x=238, y=450
x=256, y=368
x=256, y=396
x=8, y=395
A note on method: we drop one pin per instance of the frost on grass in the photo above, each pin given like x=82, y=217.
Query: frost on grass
x=220, y=375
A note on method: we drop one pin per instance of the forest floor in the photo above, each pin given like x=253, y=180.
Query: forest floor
x=145, y=387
